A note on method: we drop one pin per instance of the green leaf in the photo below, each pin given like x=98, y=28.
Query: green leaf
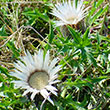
x=83, y=53
x=98, y=14
x=76, y=2
x=1, y=78
x=80, y=83
x=51, y=34
x=95, y=16
x=91, y=58
x=3, y=31
x=97, y=79
x=96, y=5
x=34, y=14
x=11, y=45
x=44, y=17
x=4, y=70
x=108, y=26
x=85, y=36
x=98, y=38
x=75, y=104
x=75, y=35
x=99, y=3
x=2, y=106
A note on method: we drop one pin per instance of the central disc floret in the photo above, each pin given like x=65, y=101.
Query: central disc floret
x=71, y=18
x=38, y=80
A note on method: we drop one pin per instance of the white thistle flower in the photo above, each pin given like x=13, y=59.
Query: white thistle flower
x=37, y=74
x=68, y=13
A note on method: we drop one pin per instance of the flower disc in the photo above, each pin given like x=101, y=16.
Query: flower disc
x=38, y=80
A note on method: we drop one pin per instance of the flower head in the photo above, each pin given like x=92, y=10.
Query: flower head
x=37, y=74
x=68, y=13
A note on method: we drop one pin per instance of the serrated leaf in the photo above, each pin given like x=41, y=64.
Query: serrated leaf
x=85, y=36
x=75, y=35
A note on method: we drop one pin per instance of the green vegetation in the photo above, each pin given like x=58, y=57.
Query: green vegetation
x=84, y=53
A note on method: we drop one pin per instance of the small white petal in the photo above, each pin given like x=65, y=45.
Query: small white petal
x=53, y=78
x=53, y=82
x=27, y=91
x=55, y=70
x=49, y=99
x=54, y=92
x=40, y=59
x=21, y=64
x=46, y=96
x=33, y=94
x=49, y=87
x=19, y=83
x=44, y=93
x=37, y=63
x=18, y=66
x=52, y=64
x=22, y=69
x=30, y=57
x=59, y=23
x=19, y=76
x=25, y=86
x=46, y=61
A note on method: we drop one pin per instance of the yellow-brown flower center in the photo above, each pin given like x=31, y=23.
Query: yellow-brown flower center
x=71, y=18
x=38, y=80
